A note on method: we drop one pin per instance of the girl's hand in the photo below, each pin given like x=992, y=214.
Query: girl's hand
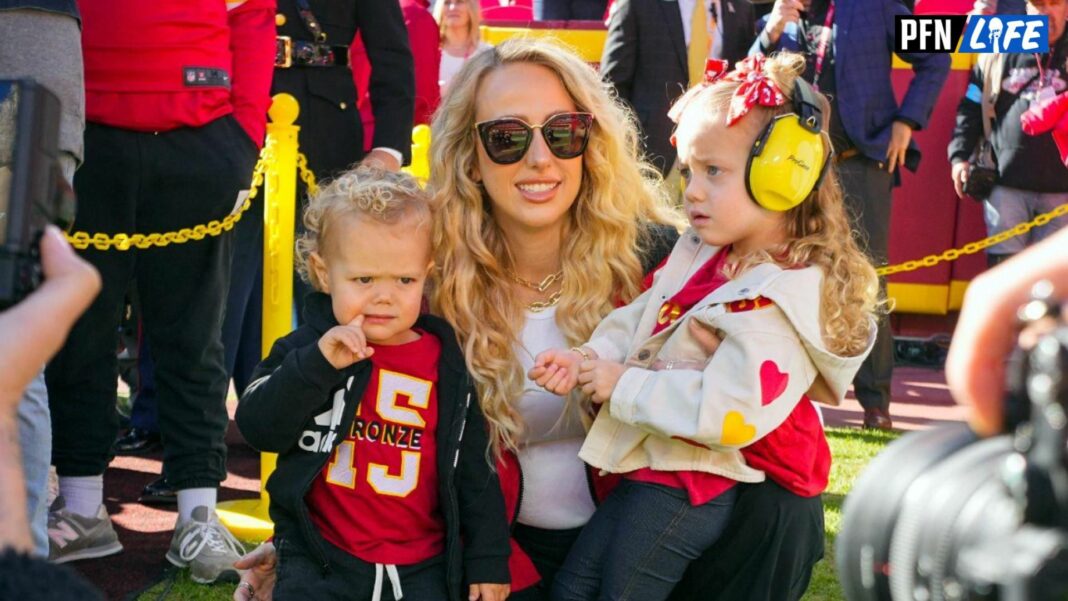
x=344, y=345
x=599, y=378
x=488, y=592
x=258, y=581
x=556, y=370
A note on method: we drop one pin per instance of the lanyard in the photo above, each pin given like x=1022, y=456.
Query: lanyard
x=825, y=39
x=1042, y=72
x=310, y=22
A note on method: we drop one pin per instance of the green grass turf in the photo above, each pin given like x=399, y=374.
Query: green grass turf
x=852, y=450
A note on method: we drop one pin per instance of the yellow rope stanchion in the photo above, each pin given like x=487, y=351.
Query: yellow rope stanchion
x=973, y=247
x=248, y=519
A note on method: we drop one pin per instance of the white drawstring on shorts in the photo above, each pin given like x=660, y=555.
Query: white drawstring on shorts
x=394, y=581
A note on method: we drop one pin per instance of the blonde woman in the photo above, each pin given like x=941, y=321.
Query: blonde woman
x=546, y=221
x=461, y=38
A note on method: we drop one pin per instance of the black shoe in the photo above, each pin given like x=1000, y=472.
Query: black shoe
x=877, y=419
x=159, y=492
x=137, y=442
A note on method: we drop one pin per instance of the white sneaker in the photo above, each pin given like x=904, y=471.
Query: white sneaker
x=206, y=547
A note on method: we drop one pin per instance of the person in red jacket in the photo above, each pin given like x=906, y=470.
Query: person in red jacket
x=176, y=97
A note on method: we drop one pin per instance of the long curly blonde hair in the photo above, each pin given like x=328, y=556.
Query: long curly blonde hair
x=603, y=240
x=818, y=231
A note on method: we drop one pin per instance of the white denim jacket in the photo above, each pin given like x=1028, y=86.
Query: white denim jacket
x=768, y=359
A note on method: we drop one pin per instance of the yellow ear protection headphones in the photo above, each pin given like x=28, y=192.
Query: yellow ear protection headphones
x=789, y=158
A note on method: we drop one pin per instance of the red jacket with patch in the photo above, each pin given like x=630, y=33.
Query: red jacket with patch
x=166, y=64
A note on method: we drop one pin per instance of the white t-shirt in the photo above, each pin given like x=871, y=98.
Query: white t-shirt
x=556, y=492
x=450, y=65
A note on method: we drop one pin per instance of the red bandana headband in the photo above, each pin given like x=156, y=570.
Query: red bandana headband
x=756, y=88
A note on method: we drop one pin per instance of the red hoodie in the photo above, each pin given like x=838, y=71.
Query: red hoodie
x=166, y=64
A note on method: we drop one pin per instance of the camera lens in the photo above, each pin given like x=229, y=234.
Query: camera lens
x=956, y=505
x=871, y=510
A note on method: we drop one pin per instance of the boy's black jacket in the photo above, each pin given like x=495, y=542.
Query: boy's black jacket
x=295, y=383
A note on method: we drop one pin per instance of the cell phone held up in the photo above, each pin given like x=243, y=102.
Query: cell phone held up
x=33, y=191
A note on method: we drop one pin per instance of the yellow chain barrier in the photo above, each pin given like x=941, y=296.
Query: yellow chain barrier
x=306, y=174
x=100, y=241
x=973, y=247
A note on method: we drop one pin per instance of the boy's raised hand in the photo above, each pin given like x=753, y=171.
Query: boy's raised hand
x=488, y=592
x=556, y=370
x=344, y=345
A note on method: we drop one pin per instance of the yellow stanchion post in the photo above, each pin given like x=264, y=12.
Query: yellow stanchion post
x=248, y=518
x=420, y=167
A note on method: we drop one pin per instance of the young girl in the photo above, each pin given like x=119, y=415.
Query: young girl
x=790, y=300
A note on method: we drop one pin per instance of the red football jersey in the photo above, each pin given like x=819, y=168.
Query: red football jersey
x=377, y=497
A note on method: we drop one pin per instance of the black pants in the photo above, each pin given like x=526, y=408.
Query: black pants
x=300, y=576
x=242, y=329
x=547, y=549
x=144, y=182
x=867, y=189
x=767, y=553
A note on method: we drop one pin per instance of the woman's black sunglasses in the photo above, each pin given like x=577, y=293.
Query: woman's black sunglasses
x=507, y=140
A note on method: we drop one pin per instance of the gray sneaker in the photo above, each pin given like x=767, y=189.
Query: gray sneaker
x=206, y=547
x=72, y=537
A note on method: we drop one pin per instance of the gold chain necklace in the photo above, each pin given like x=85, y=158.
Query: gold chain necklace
x=539, y=306
x=541, y=286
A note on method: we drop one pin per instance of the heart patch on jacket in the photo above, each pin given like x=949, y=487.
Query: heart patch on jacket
x=772, y=382
x=735, y=430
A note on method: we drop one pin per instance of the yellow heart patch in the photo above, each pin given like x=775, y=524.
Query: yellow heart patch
x=735, y=430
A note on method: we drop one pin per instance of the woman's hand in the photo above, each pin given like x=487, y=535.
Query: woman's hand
x=258, y=581
x=488, y=592
x=599, y=378
x=556, y=370
x=705, y=336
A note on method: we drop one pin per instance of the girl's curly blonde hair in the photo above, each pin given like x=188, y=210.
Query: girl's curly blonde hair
x=603, y=241
x=818, y=230
x=376, y=194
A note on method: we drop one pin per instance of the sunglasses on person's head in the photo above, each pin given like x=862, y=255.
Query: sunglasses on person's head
x=507, y=140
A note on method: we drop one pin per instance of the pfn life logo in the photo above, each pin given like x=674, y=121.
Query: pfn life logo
x=973, y=34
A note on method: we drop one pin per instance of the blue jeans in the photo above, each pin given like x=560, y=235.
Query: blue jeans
x=639, y=543
x=35, y=443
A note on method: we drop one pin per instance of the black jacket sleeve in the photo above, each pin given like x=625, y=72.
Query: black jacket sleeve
x=483, y=521
x=969, y=127
x=620, y=57
x=287, y=387
x=392, y=85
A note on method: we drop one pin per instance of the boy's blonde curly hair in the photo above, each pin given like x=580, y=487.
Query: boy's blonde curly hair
x=367, y=192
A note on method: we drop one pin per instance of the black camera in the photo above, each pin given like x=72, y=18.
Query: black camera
x=944, y=515
x=33, y=192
